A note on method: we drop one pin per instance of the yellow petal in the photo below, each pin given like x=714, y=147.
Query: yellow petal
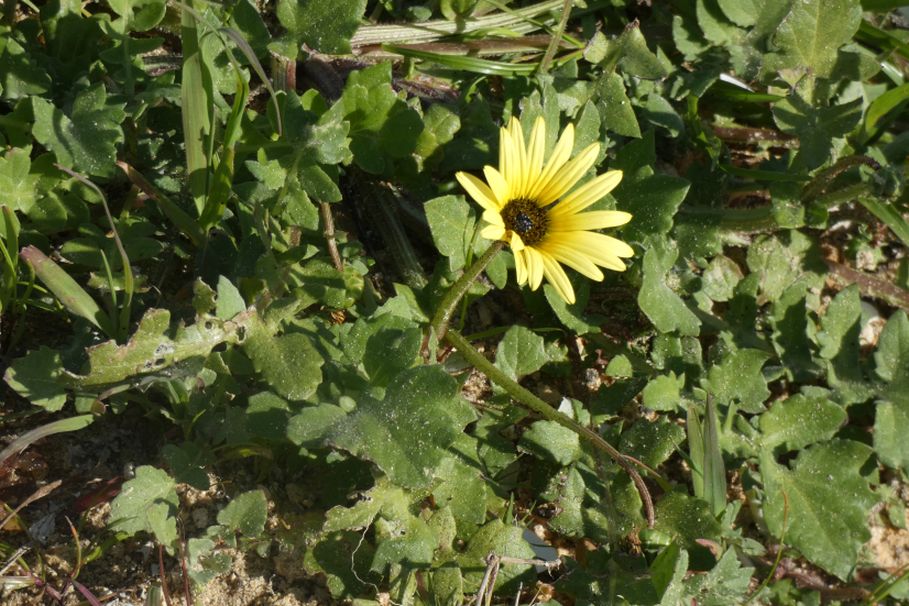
x=504, y=152
x=601, y=249
x=535, y=150
x=559, y=157
x=534, y=267
x=493, y=217
x=519, y=175
x=493, y=232
x=569, y=175
x=575, y=260
x=516, y=242
x=520, y=268
x=498, y=185
x=598, y=219
x=588, y=193
x=478, y=190
x=555, y=275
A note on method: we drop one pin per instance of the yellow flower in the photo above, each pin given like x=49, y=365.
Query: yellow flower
x=535, y=208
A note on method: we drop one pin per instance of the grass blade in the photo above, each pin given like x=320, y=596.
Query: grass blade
x=49, y=429
x=72, y=296
x=196, y=97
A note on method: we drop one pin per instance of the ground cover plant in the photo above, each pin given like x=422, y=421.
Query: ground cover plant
x=454, y=302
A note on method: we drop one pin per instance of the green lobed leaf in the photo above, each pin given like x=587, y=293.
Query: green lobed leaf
x=325, y=25
x=816, y=127
x=727, y=583
x=382, y=126
x=407, y=433
x=657, y=300
x=738, y=378
x=86, y=140
x=821, y=503
x=801, y=419
x=147, y=503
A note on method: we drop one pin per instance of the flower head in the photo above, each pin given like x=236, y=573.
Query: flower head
x=535, y=207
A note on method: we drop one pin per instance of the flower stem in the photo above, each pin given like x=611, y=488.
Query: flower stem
x=526, y=398
x=457, y=291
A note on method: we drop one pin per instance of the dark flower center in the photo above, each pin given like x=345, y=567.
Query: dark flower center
x=525, y=218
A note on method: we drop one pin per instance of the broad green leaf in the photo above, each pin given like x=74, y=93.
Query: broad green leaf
x=720, y=277
x=742, y=12
x=325, y=25
x=652, y=199
x=658, y=301
x=452, y=223
x=246, y=513
x=139, y=15
x=503, y=540
x=821, y=504
x=187, y=463
x=151, y=348
x=566, y=492
x=267, y=416
x=385, y=345
x=323, y=139
x=522, y=352
x=892, y=355
x=16, y=182
x=439, y=127
x=663, y=392
x=463, y=490
x=37, y=376
x=793, y=331
x=203, y=563
x=289, y=363
x=310, y=426
x=686, y=519
x=318, y=184
x=801, y=419
x=891, y=424
x=549, y=440
x=575, y=315
x=812, y=32
x=839, y=340
x=86, y=140
x=668, y=573
x=652, y=442
x=816, y=127
x=230, y=302
x=21, y=72
x=738, y=378
x=147, y=503
x=408, y=432
x=400, y=536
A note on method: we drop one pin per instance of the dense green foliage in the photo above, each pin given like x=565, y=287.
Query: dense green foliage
x=167, y=185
